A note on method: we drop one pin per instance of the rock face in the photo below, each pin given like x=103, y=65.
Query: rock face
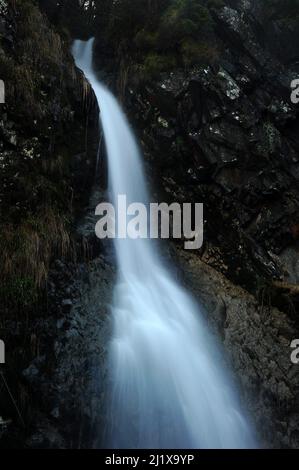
x=226, y=134
x=257, y=342
x=70, y=376
x=70, y=372
x=47, y=112
x=64, y=368
x=48, y=146
x=47, y=128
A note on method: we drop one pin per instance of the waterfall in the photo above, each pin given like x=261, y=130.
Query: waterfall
x=168, y=385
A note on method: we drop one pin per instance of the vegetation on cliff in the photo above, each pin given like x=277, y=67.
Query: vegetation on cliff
x=41, y=129
x=156, y=35
x=285, y=11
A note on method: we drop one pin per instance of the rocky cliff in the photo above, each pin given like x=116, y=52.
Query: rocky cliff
x=226, y=134
x=47, y=164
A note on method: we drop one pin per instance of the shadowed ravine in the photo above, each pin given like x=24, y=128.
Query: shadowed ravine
x=167, y=385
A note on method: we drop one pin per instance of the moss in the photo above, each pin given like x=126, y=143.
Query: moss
x=286, y=12
x=29, y=247
x=19, y=291
x=197, y=53
x=215, y=4
x=166, y=34
x=6, y=66
x=155, y=63
x=146, y=40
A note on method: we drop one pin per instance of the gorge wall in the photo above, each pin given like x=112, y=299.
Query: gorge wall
x=226, y=133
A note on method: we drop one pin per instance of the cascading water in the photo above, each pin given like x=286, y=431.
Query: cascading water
x=167, y=385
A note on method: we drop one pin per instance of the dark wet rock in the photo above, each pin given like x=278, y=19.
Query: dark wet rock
x=66, y=305
x=225, y=134
x=44, y=124
x=60, y=323
x=59, y=264
x=257, y=339
x=31, y=373
x=71, y=375
x=46, y=437
x=55, y=413
x=4, y=426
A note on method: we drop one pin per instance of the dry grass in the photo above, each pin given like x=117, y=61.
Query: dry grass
x=38, y=81
x=87, y=96
x=291, y=289
x=54, y=166
x=27, y=250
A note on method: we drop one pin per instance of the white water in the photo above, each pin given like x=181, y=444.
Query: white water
x=168, y=387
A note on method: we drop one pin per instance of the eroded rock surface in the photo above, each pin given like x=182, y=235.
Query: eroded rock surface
x=257, y=341
x=226, y=134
